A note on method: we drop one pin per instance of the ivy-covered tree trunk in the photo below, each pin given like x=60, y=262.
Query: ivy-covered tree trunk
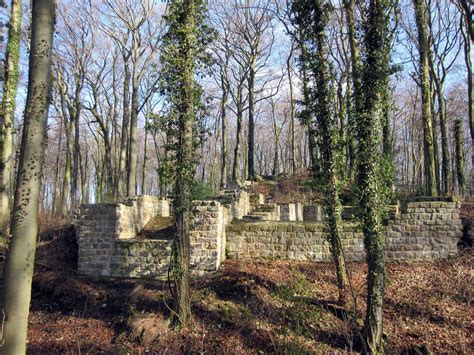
x=185, y=167
x=324, y=112
x=459, y=146
x=374, y=82
x=428, y=137
x=183, y=43
x=7, y=112
x=314, y=16
x=21, y=255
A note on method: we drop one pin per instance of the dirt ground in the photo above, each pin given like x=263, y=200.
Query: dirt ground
x=247, y=307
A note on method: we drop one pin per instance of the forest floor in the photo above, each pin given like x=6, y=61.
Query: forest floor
x=247, y=307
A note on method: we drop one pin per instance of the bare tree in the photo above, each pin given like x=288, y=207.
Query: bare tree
x=20, y=260
x=7, y=111
x=136, y=29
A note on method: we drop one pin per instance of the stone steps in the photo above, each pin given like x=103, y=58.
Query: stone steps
x=258, y=216
x=264, y=212
x=266, y=208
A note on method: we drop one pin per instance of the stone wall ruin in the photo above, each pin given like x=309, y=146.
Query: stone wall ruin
x=240, y=225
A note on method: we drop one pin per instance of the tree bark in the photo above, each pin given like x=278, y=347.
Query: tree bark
x=466, y=27
x=356, y=83
x=133, y=149
x=180, y=57
x=67, y=172
x=459, y=145
x=326, y=122
x=123, y=160
x=306, y=114
x=428, y=138
x=68, y=129
x=238, y=135
x=75, y=116
x=84, y=177
x=7, y=112
x=374, y=82
x=251, y=128
x=21, y=255
x=56, y=171
x=445, y=156
x=276, y=134
x=224, y=141
x=145, y=158
x=292, y=113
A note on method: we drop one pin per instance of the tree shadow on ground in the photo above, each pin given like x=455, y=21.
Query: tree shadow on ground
x=252, y=293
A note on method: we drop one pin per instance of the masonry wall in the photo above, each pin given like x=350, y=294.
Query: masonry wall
x=140, y=258
x=207, y=237
x=100, y=226
x=425, y=231
x=108, y=245
x=96, y=230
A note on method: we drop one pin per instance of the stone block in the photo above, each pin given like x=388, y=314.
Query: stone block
x=288, y=212
x=312, y=213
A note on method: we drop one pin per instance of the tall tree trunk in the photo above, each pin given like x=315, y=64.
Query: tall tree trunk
x=386, y=136
x=133, y=149
x=75, y=161
x=341, y=141
x=428, y=137
x=292, y=113
x=238, y=136
x=459, y=145
x=434, y=125
x=445, y=156
x=306, y=113
x=251, y=128
x=326, y=122
x=466, y=27
x=224, y=141
x=180, y=52
x=356, y=82
x=114, y=154
x=7, y=112
x=84, y=177
x=374, y=83
x=75, y=116
x=123, y=160
x=56, y=170
x=145, y=158
x=67, y=167
x=109, y=190
x=276, y=134
x=21, y=255
x=350, y=133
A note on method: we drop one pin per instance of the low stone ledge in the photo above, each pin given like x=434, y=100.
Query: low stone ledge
x=418, y=235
